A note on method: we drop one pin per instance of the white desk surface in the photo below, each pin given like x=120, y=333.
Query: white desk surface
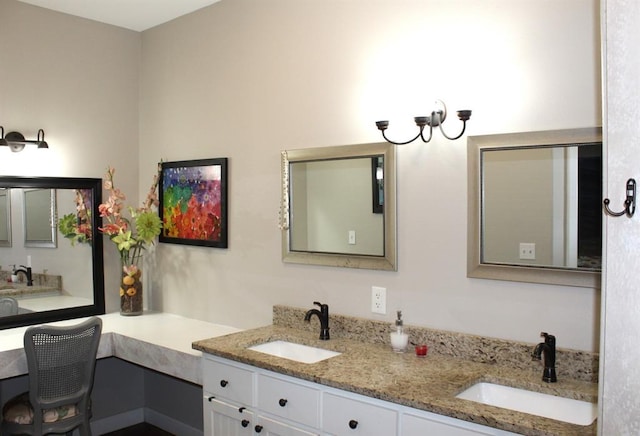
x=156, y=340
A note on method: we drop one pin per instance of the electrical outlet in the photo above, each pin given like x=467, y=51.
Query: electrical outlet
x=527, y=251
x=379, y=300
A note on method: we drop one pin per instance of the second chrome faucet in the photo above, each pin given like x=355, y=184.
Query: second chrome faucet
x=323, y=316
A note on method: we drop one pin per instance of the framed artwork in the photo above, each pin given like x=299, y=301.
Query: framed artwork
x=193, y=202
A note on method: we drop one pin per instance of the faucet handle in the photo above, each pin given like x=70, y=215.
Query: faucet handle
x=548, y=339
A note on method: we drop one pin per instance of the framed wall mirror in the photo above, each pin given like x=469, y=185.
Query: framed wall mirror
x=5, y=217
x=535, y=207
x=39, y=217
x=68, y=280
x=339, y=206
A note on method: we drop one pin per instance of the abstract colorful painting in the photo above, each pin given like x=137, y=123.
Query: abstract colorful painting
x=193, y=202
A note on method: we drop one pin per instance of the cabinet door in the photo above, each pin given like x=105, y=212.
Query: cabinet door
x=289, y=400
x=352, y=416
x=271, y=427
x=224, y=419
x=413, y=425
x=227, y=381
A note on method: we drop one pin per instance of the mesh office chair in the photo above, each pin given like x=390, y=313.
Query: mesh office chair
x=61, y=362
x=8, y=306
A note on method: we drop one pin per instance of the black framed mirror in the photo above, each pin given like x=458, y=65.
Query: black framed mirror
x=67, y=281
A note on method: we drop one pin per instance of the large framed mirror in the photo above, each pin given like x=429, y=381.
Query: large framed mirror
x=5, y=217
x=339, y=206
x=39, y=215
x=68, y=280
x=535, y=207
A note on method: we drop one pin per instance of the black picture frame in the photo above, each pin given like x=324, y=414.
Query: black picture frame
x=193, y=202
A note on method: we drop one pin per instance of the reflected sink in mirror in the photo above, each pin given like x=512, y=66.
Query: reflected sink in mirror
x=293, y=351
x=535, y=403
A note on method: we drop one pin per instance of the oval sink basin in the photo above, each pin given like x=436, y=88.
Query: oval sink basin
x=535, y=403
x=293, y=351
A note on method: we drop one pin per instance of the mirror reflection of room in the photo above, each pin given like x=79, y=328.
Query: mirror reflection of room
x=333, y=209
x=62, y=274
x=541, y=206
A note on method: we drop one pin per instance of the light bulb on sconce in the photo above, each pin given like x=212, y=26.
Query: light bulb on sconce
x=435, y=120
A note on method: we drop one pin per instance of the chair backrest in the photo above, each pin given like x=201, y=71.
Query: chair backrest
x=61, y=362
x=8, y=306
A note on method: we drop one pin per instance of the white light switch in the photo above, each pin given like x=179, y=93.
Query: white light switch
x=352, y=237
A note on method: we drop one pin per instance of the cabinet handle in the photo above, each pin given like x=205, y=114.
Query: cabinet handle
x=282, y=402
x=210, y=398
x=224, y=383
x=353, y=424
x=242, y=409
x=244, y=423
x=258, y=428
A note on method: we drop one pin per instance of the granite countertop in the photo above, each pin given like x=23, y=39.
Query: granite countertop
x=429, y=383
x=21, y=290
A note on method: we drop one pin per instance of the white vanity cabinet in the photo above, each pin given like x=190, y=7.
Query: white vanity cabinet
x=241, y=400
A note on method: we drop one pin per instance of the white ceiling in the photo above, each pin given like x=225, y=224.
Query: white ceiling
x=136, y=15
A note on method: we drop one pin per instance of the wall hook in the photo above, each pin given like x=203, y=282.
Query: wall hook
x=629, y=203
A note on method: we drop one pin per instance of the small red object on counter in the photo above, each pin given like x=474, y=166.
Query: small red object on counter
x=421, y=350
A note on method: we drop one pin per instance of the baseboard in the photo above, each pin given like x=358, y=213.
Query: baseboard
x=170, y=424
x=116, y=422
x=132, y=417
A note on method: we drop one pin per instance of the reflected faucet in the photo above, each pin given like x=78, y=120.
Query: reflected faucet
x=27, y=272
x=323, y=316
x=548, y=347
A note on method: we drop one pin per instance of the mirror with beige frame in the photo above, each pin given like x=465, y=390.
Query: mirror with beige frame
x=535, y=207
x=339, y=206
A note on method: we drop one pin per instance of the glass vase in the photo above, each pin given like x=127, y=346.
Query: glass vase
x=131, y=289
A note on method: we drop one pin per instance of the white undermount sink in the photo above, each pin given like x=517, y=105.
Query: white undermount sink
x=293, y=351
x=535, y=403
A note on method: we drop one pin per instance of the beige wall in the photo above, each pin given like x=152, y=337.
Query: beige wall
x=77, y=80
x=245, y=79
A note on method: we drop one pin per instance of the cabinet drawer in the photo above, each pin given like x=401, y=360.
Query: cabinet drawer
x=289, y=400
x=350, y=416
x=413, y=425
x=222, y=418
x=228, y=381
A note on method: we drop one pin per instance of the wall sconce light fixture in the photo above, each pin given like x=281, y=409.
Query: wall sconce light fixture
x=435, y=120
x=16, y=141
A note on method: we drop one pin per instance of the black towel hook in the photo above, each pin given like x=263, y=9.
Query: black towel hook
x=629, y=203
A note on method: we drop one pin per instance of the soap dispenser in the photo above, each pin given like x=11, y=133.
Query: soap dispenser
x=14, y=275
x=399, y=339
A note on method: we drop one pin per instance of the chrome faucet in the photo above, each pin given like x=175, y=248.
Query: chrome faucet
x=27, y=272
x=323, y=316
x=548, y=347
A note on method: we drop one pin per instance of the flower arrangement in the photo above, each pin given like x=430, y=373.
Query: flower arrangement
x=77, y=227
x=130, y=235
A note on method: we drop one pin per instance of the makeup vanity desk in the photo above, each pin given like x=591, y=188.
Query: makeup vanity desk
x=154, y=340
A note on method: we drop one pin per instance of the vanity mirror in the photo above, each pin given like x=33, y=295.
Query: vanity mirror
x=68, y=281
x=339, y=206
x=535, y=207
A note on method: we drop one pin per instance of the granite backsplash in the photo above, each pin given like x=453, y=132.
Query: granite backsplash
x=572, y=364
